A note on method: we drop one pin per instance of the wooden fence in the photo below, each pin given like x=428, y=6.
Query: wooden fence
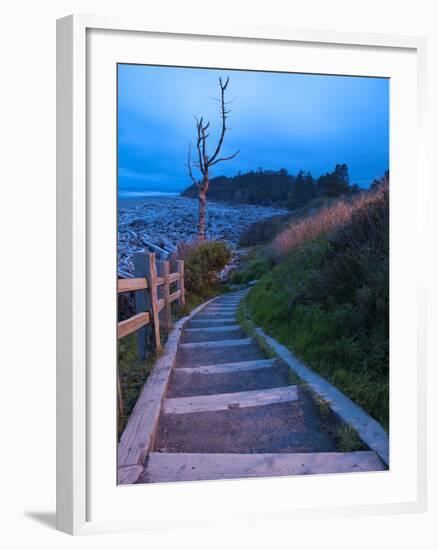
x=152, y=284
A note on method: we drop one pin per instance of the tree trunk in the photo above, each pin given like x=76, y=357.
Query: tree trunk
x=204, y=161
x=202, y=207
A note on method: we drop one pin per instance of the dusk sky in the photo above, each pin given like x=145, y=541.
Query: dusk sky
x=278, y=120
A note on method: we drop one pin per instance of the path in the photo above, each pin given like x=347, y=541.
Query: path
x=230, y=411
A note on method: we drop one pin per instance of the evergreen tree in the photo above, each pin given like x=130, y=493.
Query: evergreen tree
x=303, y=190
x=378, y=182
x=334, y=183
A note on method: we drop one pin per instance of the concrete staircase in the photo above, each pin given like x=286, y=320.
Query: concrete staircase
x=230, y=411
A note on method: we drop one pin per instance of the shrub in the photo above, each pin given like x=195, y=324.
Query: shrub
x=204, y=260
x=328, y=299
x=254, y=265
x=263, y=231
x=326, y=220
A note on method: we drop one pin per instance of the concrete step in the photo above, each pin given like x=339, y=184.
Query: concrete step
x=224, y=401
x=220, y=309
x=234, y=303
x=288, y=427
x=204, y=314
x=200, y=466
x=220, y=379
x=227, y=300
x=210, y=321
x=206, y=334
x=225, y=328
x=216, y=343
x=209, y=355
x=226, y=368
x=222, y=305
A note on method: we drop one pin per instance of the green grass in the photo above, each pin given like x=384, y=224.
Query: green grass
x=348, y=440
x=328, y=301
x=253, y=266
x=344, y=435
x=332, y=336
x=133, y=374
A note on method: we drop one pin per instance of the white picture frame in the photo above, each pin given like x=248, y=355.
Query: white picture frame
x=77, y=215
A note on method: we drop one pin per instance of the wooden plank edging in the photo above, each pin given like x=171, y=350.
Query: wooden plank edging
x=370, y=431
x=132, y=324
x=165, y=467
x=227, y=368
x=225, y=401
x=138, y=435
x=130, y=285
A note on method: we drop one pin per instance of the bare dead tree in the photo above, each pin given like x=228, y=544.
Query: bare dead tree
x=204, y=161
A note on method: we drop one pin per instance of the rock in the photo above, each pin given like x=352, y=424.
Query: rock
x=165, y=221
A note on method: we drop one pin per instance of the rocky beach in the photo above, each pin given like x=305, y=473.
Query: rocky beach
x=159, y=223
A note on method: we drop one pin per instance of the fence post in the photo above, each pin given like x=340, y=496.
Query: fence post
x=163, y=271
x=141, y=304
x=152, y=295
x=180, y=283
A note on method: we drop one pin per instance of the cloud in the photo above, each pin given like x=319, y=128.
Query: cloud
x=277, y=120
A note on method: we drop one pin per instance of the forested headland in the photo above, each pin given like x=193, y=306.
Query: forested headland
x=277, y=188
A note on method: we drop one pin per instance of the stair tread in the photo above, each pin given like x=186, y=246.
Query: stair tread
x=201, y=466
x=216, y=343
x=224, y=401
x=225, y=328
x=220, y=368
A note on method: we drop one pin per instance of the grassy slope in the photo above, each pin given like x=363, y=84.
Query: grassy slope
x=328, y=301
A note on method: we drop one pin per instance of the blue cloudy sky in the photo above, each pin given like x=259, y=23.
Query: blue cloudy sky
x=278, y=120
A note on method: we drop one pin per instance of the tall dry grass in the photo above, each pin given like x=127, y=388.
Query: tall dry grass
x=324, y=221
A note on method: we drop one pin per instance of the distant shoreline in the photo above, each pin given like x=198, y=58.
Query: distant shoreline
x=167, y=220
x=127, y=195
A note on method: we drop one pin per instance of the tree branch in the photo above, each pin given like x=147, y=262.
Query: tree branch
x=198, y=145
x=221, y=159
x=224, y=113
x=204, y=150
x=189, y=166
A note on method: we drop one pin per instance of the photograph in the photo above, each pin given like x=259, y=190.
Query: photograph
x=252, y=274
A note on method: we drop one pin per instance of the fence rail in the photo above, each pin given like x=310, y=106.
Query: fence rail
x=129, y=285
x=155, y=279
x=132, y=324
x=153, y=298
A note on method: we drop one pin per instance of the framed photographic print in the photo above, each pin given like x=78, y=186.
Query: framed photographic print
x=240, y=295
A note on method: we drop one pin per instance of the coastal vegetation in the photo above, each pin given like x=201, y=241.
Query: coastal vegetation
x=255, y=257
x=278, y=188
x=203, y=260
x=323, y=291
